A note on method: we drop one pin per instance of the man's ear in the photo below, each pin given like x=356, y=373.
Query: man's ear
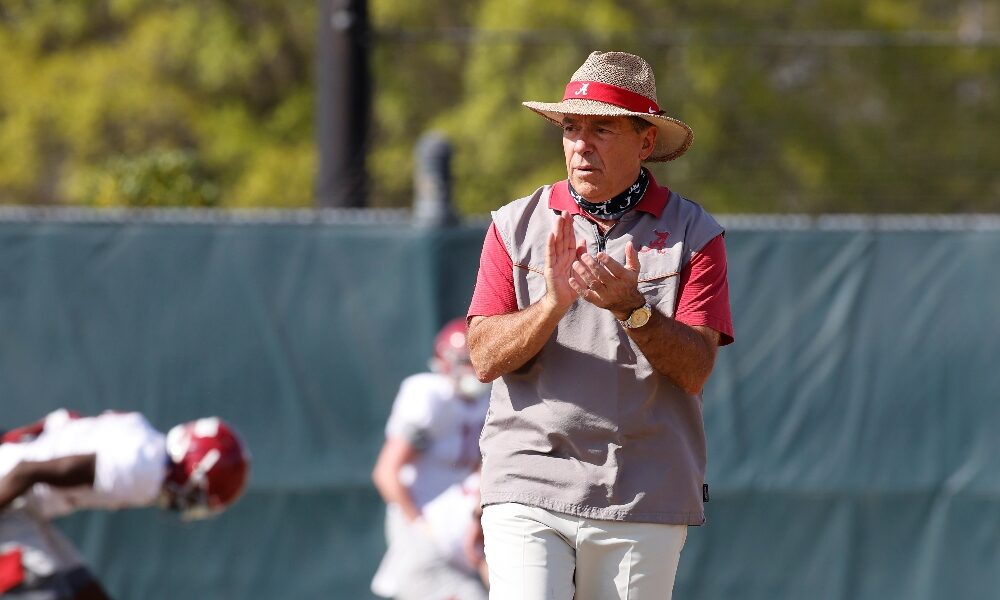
x=648, y=142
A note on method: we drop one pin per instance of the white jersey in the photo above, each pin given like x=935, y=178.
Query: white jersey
x=449, y=517
x=130, y=465
x=426, y=559
x=443, y=427
x=45, y=552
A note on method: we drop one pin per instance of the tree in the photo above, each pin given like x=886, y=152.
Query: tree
x=797, y=107
x=801, y=106
x=87, y=86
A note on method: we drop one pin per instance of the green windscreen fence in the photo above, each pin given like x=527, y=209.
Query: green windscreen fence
x=853, y=426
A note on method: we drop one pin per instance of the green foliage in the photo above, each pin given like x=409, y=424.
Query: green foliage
x=824, y=122
x=93, y=90
x=156, y=178
x=801, y=106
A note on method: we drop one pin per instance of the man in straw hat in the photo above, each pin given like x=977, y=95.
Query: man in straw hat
x=599, y=306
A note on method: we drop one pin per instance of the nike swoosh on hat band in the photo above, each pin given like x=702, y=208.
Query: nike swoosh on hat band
x=611, y=94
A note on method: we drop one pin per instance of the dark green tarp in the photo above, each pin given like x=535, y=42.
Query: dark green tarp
x=853, y=427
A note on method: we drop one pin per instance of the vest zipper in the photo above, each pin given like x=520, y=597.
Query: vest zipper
x=602, y=239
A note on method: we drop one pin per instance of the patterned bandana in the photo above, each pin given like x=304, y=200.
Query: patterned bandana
x=614, y=208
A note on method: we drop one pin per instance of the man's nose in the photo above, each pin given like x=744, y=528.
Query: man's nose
x=582, y=144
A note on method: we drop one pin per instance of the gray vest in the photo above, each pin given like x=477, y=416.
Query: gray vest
x=587, y=427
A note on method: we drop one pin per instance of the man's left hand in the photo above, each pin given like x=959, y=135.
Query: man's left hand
x=608, y=284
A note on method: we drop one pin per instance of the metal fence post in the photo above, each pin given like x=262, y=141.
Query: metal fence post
x=432, y=182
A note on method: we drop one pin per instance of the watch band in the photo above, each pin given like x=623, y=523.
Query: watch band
x=638, y=318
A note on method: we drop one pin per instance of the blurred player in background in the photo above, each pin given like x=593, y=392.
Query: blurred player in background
x=66, y=463
x=427, y=473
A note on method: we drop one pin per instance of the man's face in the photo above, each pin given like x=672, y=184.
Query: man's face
x=603, y=154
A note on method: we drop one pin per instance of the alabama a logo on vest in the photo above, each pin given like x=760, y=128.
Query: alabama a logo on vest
x=659, y=245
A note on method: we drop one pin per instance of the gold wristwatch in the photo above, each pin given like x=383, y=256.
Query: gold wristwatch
x=638, y=318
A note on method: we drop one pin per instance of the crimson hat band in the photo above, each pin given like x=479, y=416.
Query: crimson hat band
x=611, y=94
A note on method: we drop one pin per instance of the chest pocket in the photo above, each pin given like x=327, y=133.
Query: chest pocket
x=661, y=292
x=659, y=278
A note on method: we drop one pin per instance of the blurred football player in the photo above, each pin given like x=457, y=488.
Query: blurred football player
x=66, y=463
x=423, y=474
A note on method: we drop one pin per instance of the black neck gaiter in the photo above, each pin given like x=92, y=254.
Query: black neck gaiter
x=614, y=208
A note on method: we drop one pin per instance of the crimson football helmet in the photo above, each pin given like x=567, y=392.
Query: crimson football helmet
x=451, y=358
x=209, y=468
x=451, y=348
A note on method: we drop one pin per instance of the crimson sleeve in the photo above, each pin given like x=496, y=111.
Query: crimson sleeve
x=23, y=434
x=704, y=293
x=494, y=293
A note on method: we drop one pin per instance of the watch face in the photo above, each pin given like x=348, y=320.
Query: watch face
x=639, y=317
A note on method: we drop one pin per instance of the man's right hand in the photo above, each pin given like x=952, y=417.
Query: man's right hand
x=500, y=344
x=562, y=252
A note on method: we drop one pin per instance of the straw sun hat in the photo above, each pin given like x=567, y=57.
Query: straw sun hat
x=619, y=84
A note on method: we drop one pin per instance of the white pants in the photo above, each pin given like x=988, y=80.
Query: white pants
x=536, y=554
